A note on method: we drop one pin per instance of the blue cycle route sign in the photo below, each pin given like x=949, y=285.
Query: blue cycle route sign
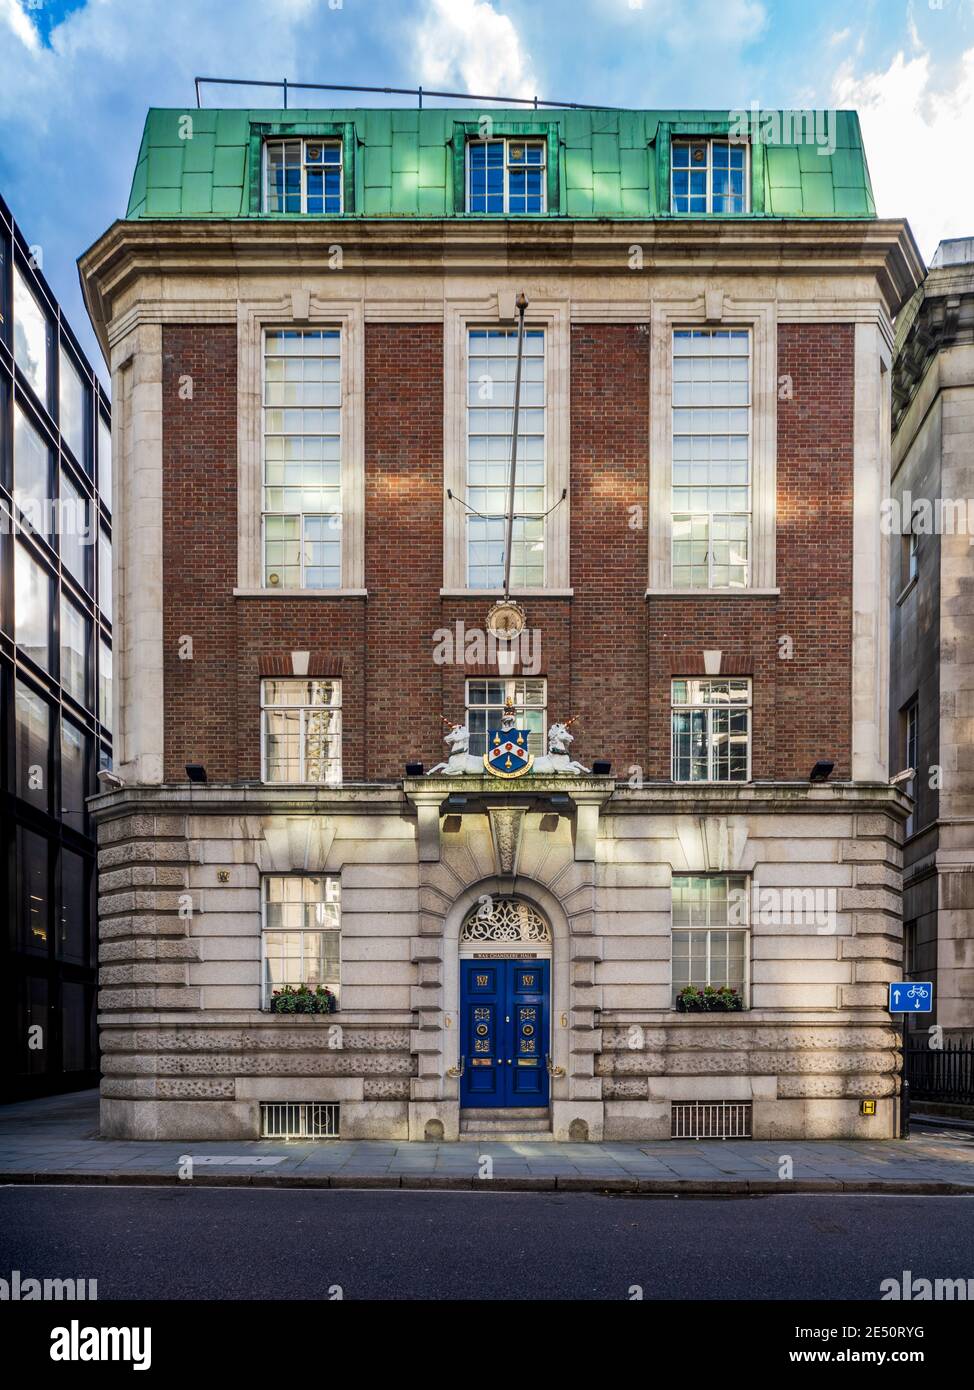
x=911, y=996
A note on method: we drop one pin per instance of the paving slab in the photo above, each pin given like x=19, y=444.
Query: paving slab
x=55, y=1140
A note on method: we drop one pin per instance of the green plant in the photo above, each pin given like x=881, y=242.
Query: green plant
x=291, y=999
x=710, y=999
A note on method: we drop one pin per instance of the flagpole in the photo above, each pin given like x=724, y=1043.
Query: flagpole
x=521, y=304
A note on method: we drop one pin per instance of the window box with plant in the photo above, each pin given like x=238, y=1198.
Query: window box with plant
x=301, y=999
x=712, y=999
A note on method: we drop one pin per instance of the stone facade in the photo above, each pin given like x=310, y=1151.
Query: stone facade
x=189, y=1053
x=933, y=626
x=188, y=1050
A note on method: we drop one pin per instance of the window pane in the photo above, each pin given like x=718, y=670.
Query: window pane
x=73, y=529
x=105, y=460
x=302, y=726
x=32, y=473
x=33, y=908
x=30, y=336
x=33, y=746
x=32, y=607
x=105, y=575
x=491, y=368
x=302, y=933
x=302, y=496
x=74, y=775
x=75, y=1026
x=485, y=709
x=73, y=926
x=711, y=458
x=73, y=408
x=74, y=650
x=105, y=684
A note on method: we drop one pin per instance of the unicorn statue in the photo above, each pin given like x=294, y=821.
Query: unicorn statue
x=461, y=762
x=558, y=760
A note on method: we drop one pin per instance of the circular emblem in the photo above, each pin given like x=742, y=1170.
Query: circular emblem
x=481, y=1030
x=506, y=620
x=528, y=1030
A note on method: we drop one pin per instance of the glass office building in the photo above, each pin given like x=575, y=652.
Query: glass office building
x=55, y=677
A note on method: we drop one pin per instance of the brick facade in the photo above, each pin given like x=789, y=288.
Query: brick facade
x=608, y=653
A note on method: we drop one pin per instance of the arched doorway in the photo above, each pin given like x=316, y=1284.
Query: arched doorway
x=505, y=1005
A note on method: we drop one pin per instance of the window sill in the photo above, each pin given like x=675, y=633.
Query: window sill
x=907, y=590
x=499, y=593
x=301, y=593
x=712, y=593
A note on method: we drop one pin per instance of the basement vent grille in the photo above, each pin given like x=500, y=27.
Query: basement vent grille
x=290, y=1120
x=711, y=1119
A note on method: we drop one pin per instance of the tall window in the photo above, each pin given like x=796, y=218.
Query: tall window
x=74, y=650
x=302, y=731
x=303, y=176
x=32, y=606
x=911, y=729
x=910, y=966
x=301, y=936
x=711, y=458
x=104, y=683
x=710, y=931
x=30, y=337
x=105, y=574
x=506, y=175
x=32, y=734
x=485, y=708
x=302, y=459
x=708, y=176
x=74, y=774
x=105, y=460
x=73, y=530
x=73, y=408
x=32, y=472
x=491, y=362
x=711, y=730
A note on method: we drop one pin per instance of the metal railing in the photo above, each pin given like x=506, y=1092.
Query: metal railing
x=942, y=1073
x=299, y=1120
x=284, y=86
x=710, y=1119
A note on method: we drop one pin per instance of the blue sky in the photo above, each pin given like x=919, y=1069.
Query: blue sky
x=76, y=77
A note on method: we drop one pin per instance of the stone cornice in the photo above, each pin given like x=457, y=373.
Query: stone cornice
x=214, y=798
x=940, y=316
x=883, y=248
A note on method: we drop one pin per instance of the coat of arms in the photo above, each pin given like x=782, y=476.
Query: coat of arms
x=507, y=747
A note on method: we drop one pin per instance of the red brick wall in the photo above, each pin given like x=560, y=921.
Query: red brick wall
x=802, y=706
x=609, y=542
x=608, y=654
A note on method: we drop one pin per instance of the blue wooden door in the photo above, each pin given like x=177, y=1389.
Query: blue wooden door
x=504, y=1023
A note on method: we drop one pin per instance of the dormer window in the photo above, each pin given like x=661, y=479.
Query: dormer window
x=506, y=176
x=303, y=175
x=708, y=176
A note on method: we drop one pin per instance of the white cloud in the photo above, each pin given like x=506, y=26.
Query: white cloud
x=466, y=45
x=916, y=134
x=12, y=14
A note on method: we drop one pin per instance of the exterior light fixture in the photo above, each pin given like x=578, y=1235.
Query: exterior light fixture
x=601, y=767
x=822, y=771
x=196, y=772
x=414, y=769
x=456, y=803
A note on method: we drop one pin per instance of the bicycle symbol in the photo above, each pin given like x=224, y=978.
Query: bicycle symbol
x=917, y=992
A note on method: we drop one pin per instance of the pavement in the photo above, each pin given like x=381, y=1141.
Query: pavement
x=55, y=1140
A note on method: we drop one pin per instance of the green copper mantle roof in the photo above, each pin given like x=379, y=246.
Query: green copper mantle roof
x=409, y=163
